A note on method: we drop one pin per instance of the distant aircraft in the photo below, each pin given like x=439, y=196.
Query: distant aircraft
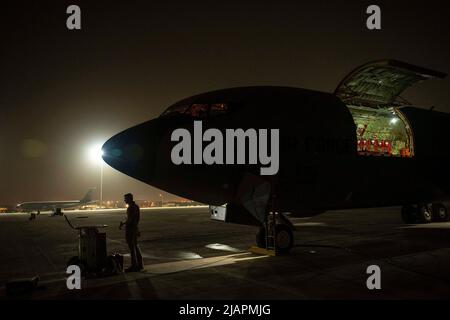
x=361, y=146
x=55, y=206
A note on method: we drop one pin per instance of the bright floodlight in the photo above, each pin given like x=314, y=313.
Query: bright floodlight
x=95, y=153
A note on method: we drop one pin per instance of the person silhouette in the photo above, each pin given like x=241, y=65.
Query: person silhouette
x=132, y=233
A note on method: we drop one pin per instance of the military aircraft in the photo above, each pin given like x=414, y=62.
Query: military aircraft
x=361, y=146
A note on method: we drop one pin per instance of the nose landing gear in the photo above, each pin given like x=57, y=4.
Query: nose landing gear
x=277, y=234
x=424, y=213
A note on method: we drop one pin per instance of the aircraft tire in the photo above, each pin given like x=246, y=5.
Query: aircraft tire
x=425, y=214
x=284, y=238
x=409, y=214
x=440, y=212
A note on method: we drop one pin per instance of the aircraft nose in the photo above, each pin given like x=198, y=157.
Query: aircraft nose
x=132, y=151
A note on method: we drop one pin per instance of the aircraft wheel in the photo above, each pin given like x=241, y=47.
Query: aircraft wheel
x=409, y=214
x=284, y=238
x=440, y=212
x=425, y=214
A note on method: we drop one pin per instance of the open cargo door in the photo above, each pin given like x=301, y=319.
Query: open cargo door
x=372, y=95
x=379, y=84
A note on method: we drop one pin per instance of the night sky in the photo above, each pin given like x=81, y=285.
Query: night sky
x=63, y=91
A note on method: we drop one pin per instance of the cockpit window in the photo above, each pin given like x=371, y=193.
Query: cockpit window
x=175, y=110
x=218, y=108
x=197, y=110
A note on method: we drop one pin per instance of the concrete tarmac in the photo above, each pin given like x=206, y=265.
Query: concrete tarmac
x=188, y=256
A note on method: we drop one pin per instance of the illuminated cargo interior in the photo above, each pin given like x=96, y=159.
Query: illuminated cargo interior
x=382, y=132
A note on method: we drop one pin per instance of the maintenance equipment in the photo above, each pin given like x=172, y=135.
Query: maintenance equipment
x=91, y=248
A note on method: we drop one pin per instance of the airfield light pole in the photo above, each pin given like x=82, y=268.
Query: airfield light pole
x=162, y=200
x=101, y=180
